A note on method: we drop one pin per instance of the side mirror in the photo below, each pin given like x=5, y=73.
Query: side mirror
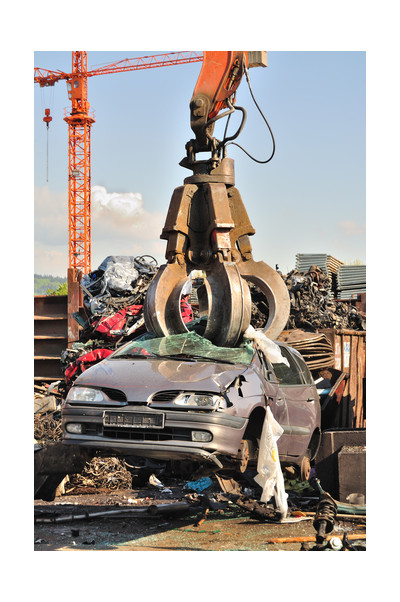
x=271, y=376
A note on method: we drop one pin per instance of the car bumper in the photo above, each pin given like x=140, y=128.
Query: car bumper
x=172, y=442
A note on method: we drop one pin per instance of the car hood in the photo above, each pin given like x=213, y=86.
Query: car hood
x=140, y=378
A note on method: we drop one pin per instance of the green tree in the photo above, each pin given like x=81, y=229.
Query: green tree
x=61, y=290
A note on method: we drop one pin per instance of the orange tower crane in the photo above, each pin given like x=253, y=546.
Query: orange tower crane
x=79, y=125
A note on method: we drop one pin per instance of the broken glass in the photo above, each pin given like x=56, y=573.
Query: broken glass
x=190, y=345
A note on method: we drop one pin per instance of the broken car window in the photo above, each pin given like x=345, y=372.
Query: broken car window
x=189, y=345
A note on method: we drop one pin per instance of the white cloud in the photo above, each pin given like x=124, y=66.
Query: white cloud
x=120, y=226
x=124, y=204
x=352, y=228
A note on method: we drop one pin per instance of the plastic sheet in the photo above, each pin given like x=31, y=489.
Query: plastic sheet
x=118, y=274
x=270, y=476
x=119, y=277
x=270, y=349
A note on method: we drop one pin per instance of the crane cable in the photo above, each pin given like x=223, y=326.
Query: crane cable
x=264, y=118
x=47, y=154
x=50, y=103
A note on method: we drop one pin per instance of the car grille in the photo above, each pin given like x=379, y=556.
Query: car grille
x=165, y=396
x=137, y=434
x=114, y=394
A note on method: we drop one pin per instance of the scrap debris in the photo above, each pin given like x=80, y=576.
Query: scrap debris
x=47, y=426
x=112, y=314
x=101, y=473
x=312, y=303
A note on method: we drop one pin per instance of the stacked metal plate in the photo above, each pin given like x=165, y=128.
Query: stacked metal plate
x=316, y=348
x=328, y=264
x=351, y=281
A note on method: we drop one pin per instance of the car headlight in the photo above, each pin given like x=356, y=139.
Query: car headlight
x=198, y=400
x=86, y=395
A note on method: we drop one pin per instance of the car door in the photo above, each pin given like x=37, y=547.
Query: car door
x=276, y=401
x=302, y=403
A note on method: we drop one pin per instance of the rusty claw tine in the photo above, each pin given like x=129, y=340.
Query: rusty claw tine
x=162, y=308
x=275, y=290
x=229, y=304
x=226, y=301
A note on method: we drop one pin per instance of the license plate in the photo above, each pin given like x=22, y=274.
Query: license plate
x=133, y=420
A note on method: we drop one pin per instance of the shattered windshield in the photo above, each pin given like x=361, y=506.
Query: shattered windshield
x=189, y=345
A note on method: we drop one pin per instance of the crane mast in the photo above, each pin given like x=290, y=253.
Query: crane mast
x=79, y=169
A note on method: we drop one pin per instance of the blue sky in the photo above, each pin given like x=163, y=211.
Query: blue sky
x=311, y=198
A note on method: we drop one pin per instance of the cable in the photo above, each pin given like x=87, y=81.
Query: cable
x=263, y=116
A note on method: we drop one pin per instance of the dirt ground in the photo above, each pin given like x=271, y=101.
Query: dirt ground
x=64, y=525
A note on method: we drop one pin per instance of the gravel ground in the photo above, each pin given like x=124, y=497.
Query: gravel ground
x=223, y=529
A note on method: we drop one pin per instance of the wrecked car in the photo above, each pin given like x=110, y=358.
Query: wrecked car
x=182, y=398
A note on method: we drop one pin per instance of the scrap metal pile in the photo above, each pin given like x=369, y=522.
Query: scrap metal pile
x=114, y=296
x=113, y=302
x=313, y=307
x=100, y=473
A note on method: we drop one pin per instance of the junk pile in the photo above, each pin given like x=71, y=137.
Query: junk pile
x=313, y=305
x=47, y=427
x=47, y=414
x=326, y=263
x=113, y=297
x=100, y=473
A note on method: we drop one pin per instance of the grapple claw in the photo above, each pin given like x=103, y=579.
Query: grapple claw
x=208, y=229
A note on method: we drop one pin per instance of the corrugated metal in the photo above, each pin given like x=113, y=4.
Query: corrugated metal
x=50, y=336
x=351, y=281
x=55, y=328
x=326, y=263
x=350, y=357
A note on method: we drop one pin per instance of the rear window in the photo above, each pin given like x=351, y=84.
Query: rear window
x=287, y=375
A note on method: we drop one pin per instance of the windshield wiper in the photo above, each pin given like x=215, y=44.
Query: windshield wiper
x=130, y=356
x=175, y=356
x=193, y=357
x=213, y=359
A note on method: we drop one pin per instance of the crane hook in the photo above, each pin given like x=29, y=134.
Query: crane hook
x=47, y=117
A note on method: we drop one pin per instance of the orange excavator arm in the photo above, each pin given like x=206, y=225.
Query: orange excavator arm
x=217, y=83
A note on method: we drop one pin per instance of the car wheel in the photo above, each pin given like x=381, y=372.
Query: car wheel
x=305, y=467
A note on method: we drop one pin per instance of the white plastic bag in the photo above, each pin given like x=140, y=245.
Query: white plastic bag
x=270, y=349
x=270, y=476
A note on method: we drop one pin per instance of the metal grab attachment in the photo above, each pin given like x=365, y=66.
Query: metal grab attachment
x=207, y=228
